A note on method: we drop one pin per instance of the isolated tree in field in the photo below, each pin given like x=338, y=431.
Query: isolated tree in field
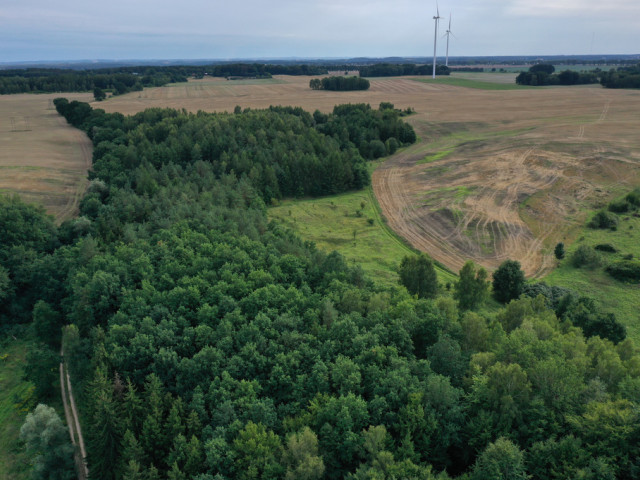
x=47, y=441
x=508, y=281
x=559, y=251
x=472, y=287
x=99, y=94
x=418, y=275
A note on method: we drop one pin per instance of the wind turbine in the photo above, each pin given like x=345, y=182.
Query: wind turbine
x=435, y=38
x=449, y=33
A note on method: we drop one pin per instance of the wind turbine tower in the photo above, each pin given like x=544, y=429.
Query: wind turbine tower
x=435, y=38
x=448, y=34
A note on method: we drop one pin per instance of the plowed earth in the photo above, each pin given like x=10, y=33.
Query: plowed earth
x=494, y=175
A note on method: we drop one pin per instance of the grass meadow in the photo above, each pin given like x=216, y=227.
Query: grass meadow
x=623, y=299
x=13, y=392
x=351, y=224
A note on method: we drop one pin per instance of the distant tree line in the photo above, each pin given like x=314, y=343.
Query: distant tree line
x=393, y=70
x=624, y=77
x=466, y=69
x=59, y=80
x=543, y=74
x=339, y=83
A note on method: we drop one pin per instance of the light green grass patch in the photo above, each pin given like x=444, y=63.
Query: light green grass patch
x=437, y=156
x=333, y=223
x=477, y=84
x=13, y=390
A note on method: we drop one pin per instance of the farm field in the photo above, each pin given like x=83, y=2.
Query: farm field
x=496, y=174
x=42, y=159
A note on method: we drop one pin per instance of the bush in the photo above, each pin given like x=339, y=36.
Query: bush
x=619, y=206
x=606, y=247
x=625, y=270
x=634, y=198
x=585, y=256
x=604, y=219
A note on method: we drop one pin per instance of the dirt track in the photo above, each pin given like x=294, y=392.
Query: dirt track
x=511, y=173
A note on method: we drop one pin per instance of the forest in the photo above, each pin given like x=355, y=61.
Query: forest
x=127, y=79
x=395, y=70
x=117, y=81
x=338, y=83
x=622, y=77
x=544, y=74
x=207, y=343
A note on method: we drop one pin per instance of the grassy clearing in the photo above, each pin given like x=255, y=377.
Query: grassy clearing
x=473, y=83
x=334, y=223
x=13, y=390
x=620, y=298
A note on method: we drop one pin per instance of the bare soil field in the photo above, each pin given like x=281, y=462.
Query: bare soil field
x=42, y=159
x=494, y=175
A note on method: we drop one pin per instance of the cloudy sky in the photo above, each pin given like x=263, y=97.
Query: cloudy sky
x=215, y=29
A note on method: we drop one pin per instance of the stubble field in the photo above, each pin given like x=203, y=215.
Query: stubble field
x=42, y=159
x=496, y=174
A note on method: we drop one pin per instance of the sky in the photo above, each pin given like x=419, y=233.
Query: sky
x=33, y=30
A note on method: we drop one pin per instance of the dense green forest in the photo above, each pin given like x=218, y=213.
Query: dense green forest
x=207, y=343
x=623, y=77
x=544, y=74
x=118, y=81
x=395, y=70
x=338, y=83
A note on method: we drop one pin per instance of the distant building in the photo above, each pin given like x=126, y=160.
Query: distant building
x=344, y=73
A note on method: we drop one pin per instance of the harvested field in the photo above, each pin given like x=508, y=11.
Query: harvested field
x=495, y=175
x=42, y=158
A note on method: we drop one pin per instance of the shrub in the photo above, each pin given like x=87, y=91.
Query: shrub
x=559, y=251
x=634, y=197
x=585, y=256
x=604, y=219
x=619, y=206
x=625, y=270
x=606, y=247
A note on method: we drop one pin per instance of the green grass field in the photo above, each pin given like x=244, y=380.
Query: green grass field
x=351, y=224
x=623, y=299
x=485, y=84
x=13, y=391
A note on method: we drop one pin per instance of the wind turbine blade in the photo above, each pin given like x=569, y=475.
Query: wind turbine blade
x=449, y=21
x=437, y=10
